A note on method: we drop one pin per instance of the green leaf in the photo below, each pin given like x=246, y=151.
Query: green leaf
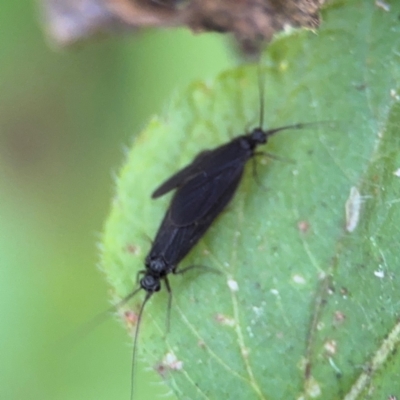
x=315, y=313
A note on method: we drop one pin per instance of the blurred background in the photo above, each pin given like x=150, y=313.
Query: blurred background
x=65, y=117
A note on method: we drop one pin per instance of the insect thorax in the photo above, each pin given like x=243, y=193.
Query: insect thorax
x=156, y=266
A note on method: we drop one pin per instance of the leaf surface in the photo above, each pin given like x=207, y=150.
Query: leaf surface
x=307, y=305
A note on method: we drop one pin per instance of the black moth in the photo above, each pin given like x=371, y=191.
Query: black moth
x=203, y=190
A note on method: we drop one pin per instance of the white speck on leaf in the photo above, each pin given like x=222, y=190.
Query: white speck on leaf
x=397, y=172
x=312, y=387
x=352, y=207
x=170, y=361
x=379, y=274
x=233, y=285
x=331, y=346
x=334, y=366
x=383, y=5
x=298, y=279
x=394, y=94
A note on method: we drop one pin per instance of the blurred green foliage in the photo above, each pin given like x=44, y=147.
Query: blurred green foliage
x=64, y=119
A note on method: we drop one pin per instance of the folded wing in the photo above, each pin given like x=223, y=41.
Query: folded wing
x=203, y=193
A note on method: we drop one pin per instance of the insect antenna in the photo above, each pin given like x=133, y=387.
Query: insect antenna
x=126, y=299
x=261, y=95
x=272, y=131
x=83, y=330
x=301, y=125
x=168, y=322
x=148, y=295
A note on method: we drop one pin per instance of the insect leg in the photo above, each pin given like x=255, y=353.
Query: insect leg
x=141, y=272
x=169, y=303
x=274, y=157
x=184, y=270
x=135, y=340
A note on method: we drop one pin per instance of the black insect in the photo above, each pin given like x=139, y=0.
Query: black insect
x=213, y=177
x=203, y=190
x=171, y=244
x=205, y=187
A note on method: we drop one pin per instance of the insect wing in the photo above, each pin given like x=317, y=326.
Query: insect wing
x=197, y=197
x=182, y=176
x=184, y=240
x=165, y=239
x=191, y=234
x=174, y=242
